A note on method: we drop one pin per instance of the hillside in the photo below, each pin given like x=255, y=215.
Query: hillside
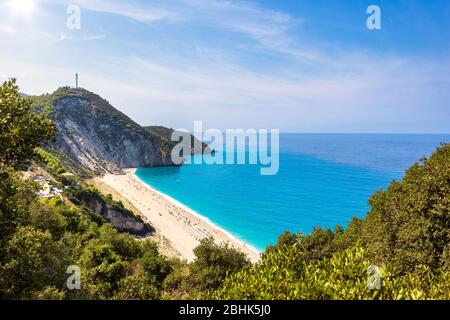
x=97, y=137
x=167, y=134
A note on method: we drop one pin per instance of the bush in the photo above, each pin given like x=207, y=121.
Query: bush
x=409, y=223
x=52, y=163
x=33, y=261
x=284, y=274
x=102, y=268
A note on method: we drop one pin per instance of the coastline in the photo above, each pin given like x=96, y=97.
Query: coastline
x=179, y=224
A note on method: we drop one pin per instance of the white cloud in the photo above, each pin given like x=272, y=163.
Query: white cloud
x=357, y=91
x=371, y=89
x=268, y=28
x=360, y=97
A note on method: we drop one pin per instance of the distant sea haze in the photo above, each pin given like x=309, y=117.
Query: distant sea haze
x=324, y=180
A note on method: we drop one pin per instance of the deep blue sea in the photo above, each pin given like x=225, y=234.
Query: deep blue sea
x=323, y=180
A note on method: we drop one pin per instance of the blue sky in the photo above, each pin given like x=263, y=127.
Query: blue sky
x=294, y=65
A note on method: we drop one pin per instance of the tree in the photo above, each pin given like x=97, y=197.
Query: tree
x=101, y=268
x=21, y=130
x=409, y=223
x=321, y=243
x=137, y=287
x=33, y=261
x=15, y=198
x=213, y=262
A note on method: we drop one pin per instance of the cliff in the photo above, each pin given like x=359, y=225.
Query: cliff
x=111, y=211
x=98, y=138
x=198, y=147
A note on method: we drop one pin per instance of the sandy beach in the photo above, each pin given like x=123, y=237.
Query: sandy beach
x=182, y=227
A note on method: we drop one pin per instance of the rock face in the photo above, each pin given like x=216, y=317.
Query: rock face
x=118, y=217
x=100, y=138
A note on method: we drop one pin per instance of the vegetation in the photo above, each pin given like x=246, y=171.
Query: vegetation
x=51, y=162
x=166, y=135
x=20, y=129
x=80, y=195
x=409, y=223
x=44, y=104
x=287, y=273
x=212, y=264
x=87, y=110
x=406, y=235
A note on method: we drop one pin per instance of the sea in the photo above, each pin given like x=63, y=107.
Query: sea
x=323, y=180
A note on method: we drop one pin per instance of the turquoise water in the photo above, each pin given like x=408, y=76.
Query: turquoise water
x=323, y=180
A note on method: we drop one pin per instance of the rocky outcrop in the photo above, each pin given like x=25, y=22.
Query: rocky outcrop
x=100, y=138
x=197, y=146
x=121, y=218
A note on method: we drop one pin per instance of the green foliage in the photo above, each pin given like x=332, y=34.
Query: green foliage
x=51, y=162
x=320, y=243
x=286, y=274
x=148, y=274
x=155, y=266
x=212, y=263
x=32, y=260
x=178, y=284
x=44, y=215
x=48, y=293
x=44, y=104
x=317, y=245
x=43, y=237
x=79, y=192
x=103, y=267
x=409, y=223
x=89, y=198
x=123, y=243
x=21, y=130
x=15, y=198
x=165, y=134
x=137, y=287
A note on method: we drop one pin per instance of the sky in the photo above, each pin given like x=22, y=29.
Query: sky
x=293, y=65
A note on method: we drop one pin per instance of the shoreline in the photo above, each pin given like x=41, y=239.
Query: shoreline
x=181, y=225
x=196, y=214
